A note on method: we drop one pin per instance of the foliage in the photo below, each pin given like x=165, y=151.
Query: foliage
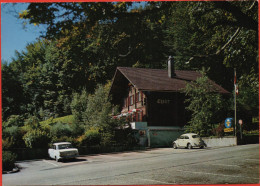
x=35, y=136
x=36, y=139
x=219, y=131
x=125, y=137
x=79, y=104
x=59, y=74
x=90, y=137
x=251, y=132
x=31, y=123
x=55, y=139
x=97, y=113
x=65, y=119
x=8, y=160
x=60, y=129
x=12, y=133
x=205, y=105
x=12, y=137
x=14, y=120
x=11, y=100
x=85, y=42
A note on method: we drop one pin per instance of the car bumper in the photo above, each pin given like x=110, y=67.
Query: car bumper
x=68, y=157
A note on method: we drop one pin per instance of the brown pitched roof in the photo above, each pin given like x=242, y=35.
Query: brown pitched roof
x=157, y=79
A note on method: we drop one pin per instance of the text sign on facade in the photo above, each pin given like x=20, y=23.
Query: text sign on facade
x=163, y=101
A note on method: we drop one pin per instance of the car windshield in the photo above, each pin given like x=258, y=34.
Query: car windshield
x=195, y=136
x=64, y=146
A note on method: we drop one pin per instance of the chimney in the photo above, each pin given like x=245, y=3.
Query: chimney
x=171, y=71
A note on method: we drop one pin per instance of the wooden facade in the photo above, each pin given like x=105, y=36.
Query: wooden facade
x=149, y=95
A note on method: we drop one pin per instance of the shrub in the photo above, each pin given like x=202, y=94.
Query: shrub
x=63, y=139
x=13, y=137
x=77, y=128
x=32, y=123
x=107, y=139
x=79, y=104
x=46, y=125
x=36, y=139
x=91, y=137
x=125, y=137
x=8, y=160
x=60, y=129
x=14, y=120
x=219, y=131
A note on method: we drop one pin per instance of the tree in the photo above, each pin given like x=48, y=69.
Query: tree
x=35, y=136
x=205, y=105
x=85, y=42
x=98, y=115
x=12, y=92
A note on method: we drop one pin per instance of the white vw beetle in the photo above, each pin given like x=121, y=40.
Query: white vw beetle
x=189, y=141
x=62, y=150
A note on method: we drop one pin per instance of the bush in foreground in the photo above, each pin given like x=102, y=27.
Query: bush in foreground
x=8, y=160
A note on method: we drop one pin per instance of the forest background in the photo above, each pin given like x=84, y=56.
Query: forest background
x=57, y=88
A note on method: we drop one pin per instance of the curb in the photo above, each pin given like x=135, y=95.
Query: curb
x=16, y=169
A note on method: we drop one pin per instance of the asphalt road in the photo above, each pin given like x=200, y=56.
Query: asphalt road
x=232, y=165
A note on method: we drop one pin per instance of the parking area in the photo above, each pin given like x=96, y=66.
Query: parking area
x=105, y=157
x=232, y=165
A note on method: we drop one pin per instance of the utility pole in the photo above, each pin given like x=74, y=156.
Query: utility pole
x=235, y=105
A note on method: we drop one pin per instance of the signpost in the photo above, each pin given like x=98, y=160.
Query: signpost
x=240, y=124
x=235, y=106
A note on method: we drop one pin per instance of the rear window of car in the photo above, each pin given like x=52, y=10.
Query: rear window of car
x=65, y=146
x=195, y=136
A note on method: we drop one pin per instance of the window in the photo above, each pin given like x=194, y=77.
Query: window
x=186, y=137
x=139, y=97
x=131, y=100
x=195, y=136
x=64, y=146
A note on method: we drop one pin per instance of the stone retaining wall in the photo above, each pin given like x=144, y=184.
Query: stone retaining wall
x=220, y=142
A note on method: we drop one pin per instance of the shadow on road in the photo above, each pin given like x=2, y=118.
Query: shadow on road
x=73, y=160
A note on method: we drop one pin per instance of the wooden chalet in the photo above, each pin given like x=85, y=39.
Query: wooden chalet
x=152, y=99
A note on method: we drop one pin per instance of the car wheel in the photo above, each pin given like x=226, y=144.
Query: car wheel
x=189, y=146
x=174, y=146
x=202, y=147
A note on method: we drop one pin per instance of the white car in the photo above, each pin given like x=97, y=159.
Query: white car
x=62, y=150
x=189, y=141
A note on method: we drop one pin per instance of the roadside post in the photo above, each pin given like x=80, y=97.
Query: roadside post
x=240, y=124
x=235, y=104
